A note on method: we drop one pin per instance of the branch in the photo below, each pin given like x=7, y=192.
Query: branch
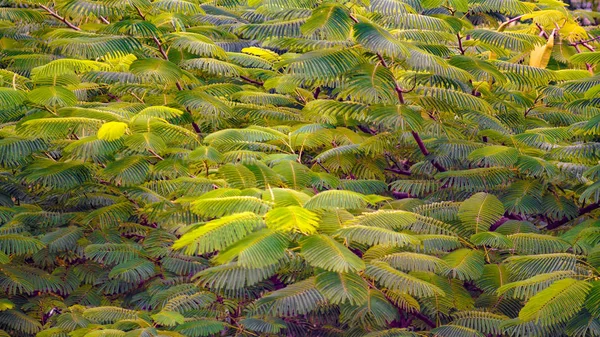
x=542, y=31
x=398, y=90
x=424, y=318
x=60, y=18
x=366, y=129
x=584, y=41
x=414, y=134
x=460, y=45
x=425, y=152
x=588, y=66
x=516, y=18
x=160, y=48
x=156, y=40
x=140, y=12
x=503, y=219
x=398, y=171
x=247, y=79
x=582, y=211
x=400, y=195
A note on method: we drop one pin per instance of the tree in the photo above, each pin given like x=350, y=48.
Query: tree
x=294, y=167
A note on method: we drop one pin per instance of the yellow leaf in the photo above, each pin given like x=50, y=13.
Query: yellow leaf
x=264, y=54
x=292, y=218
x=112, y=131
x=572, y=31
x=6, y=304
x=540, y=56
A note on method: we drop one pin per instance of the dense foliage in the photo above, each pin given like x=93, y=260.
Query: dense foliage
x=298, y=168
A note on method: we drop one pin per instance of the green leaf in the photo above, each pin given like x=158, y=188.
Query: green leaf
x=333, y=199
x=377, y=236
x=296, y=299
x=331, y=19
x=292, y=218
x=397, y=280
x=480, y=211
x=200, y=327
x=259, y=249
x=324, y=252
x=379, y=40
x=168, y=318
x=465, y=264
x=6, y=304
x=136, y=270
x=218, y=234
x=52, y=97
x=341, y=288
x=557, y=303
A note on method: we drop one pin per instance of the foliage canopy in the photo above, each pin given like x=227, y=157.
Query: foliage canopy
x=298, y=168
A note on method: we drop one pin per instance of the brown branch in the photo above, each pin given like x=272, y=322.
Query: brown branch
x=586, y=45
x=582, y=211
x=584, y=41
x=117, y=99
x=398, y=171
x=166, y=57
x=366, y=129
x=247, y=79
x=60, y=18
x=154, y=38
x=140, y=12
x=414, y=134
x=160, y=48
x=503, y=219
x=516, y=18
x=542, y=31
x=460, y=45
x=425, y=152
x=425, y=319
x=588, y=66
x=400, y=195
